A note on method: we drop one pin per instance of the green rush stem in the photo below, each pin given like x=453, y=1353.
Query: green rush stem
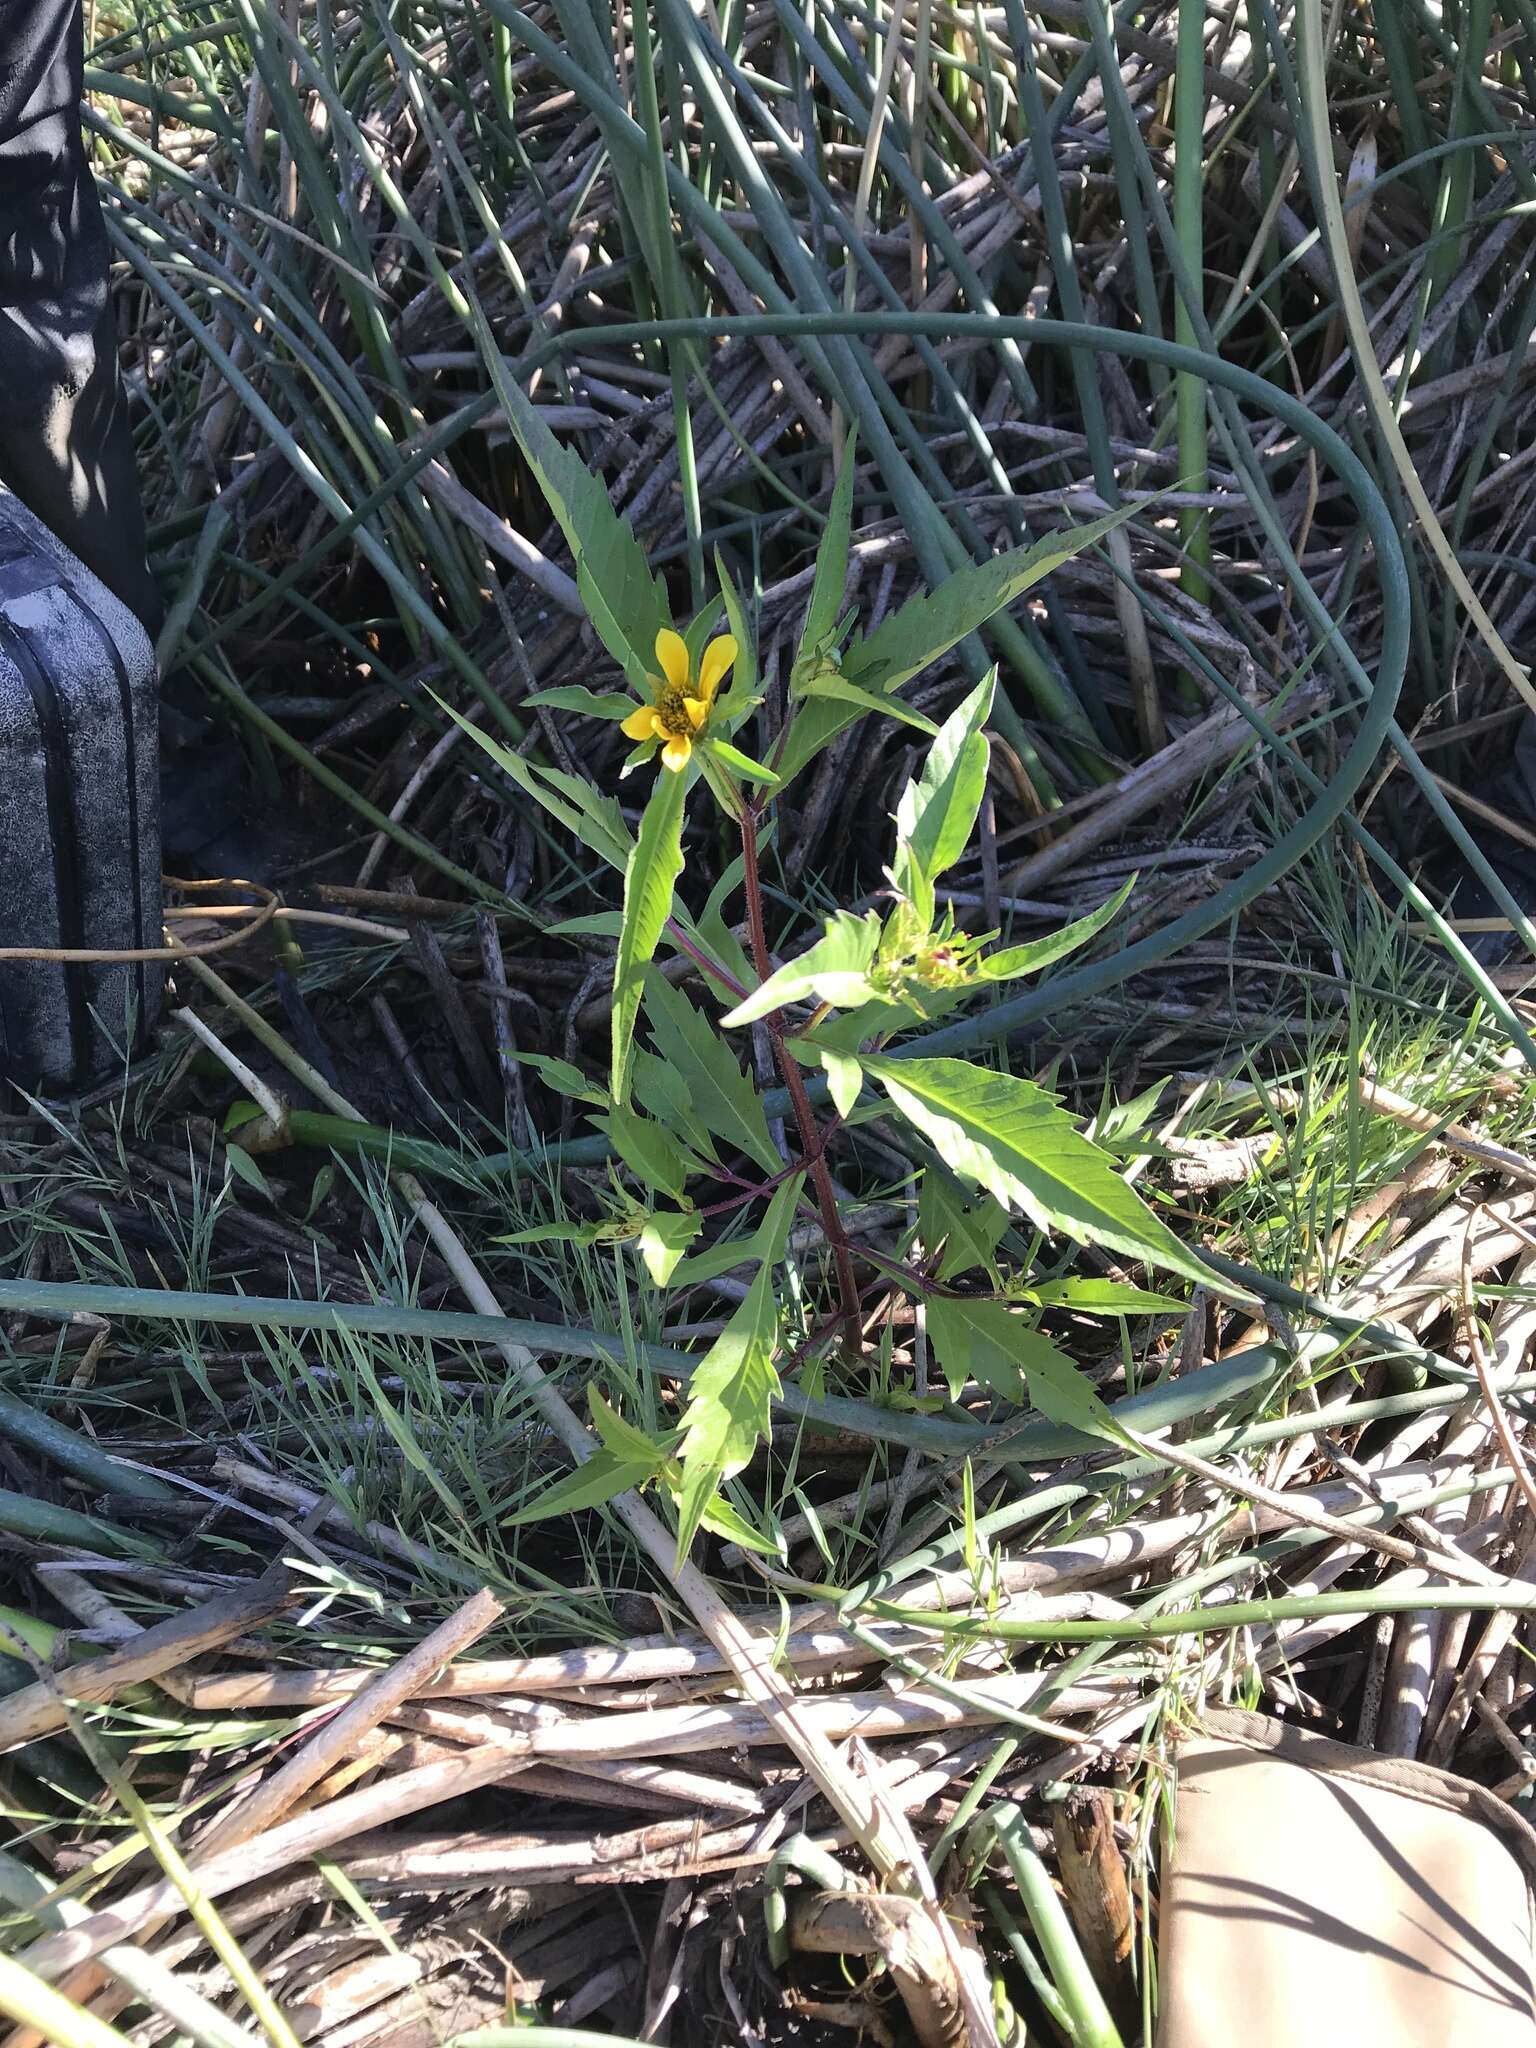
x=1188, y=201
x=794, y=1086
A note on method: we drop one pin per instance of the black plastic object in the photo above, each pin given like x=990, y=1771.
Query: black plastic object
x=65, y=445
x=79, y=812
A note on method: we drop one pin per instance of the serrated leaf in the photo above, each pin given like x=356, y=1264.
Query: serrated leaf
x=831, y=558
x=650, y=879
x=968, y=1230
x=1012, y=961
x=766, y=1243
x=602, y=1478
x=842, y=691
x=621, y=1437
x=932, y=622
x=665, y=1237
x=624, y=600
x=937, y=812
x=835, y=970
x=989, y=1341
x=648, y=1149
x=662, y=1094
x=1016, y=1141
x=590, y=703
x=731, y=1392
x=719, y=1094
x=1103, y=1298
x=588, y=814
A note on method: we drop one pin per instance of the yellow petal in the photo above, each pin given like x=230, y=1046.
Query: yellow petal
x=714, y=668
x=675, y=753
x=642, y=723
x=672, y=653
x=697, y=709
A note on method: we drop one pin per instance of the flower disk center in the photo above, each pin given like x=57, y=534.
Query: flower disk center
x=672, y=712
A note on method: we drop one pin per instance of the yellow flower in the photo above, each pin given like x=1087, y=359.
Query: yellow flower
x=682, y=700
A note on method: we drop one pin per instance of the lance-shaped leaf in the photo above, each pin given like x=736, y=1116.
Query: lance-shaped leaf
x=936, y=814
x=649, y=881
x=1011, y=961
x=704, y=1068
x=624, y=600
x=1017, y=1142
x=835, y=970
x=932, y=622
x=730, y=1392
x=993, y=1343
x=831, y=560
x=589, y=814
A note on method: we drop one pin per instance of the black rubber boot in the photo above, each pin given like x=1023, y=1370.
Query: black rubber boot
x=65, y=449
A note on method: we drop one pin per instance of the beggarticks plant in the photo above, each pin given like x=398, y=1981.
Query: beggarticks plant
x=699, y=1188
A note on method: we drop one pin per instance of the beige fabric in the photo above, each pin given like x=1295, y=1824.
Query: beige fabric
x=1317, y=1894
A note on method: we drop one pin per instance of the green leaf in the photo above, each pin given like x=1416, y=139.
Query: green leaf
x=598, y=924
x=648, y=1149
x=624, y=601
x=663, y=1094
x=1102, y=1298
x=932, y=622
x=320, y=1188
x=587, y=813
x=649, y=881
x=969, y=1231
x=842, y=691
x=716, y=935
x=602, y=1478
x=766, y=1243
x=561, y=1075
x=937, y=813
x=720, y=1095
x=721, y=1519
x=572, y=697
x=730, y=1403
x=739, y=694
x=698, y=633
x=831, y=559
x=740, y=763
x=1013, y=961
x=554, y=1233
x=845, y=1079
x=244, y=1167
x=834, y=970
x=621, y=1436
x=1017, y=1142
x=666, y=1236
x=993, y=1343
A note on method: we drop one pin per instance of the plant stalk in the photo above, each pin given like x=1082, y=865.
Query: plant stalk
x=811, y=1144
